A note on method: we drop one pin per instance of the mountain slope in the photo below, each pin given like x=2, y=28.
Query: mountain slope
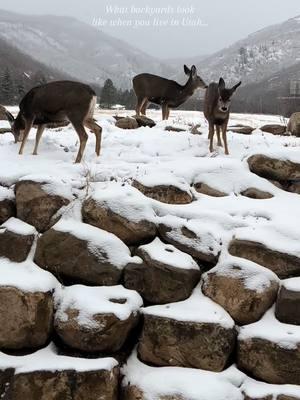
x=77, y=48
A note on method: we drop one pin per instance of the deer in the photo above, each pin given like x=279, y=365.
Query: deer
x=165, y=92
x=217, y=104
x=55, y=104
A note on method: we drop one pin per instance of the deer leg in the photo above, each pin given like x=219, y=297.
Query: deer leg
x=164, y=111
x=224, y=136
x=79, y=128
x=28, y=126
x=144, y=107
x=168, y=113
x=211, y=137
x=139, y=105
x=38, y=136
x=218, y=129
x=97, y=130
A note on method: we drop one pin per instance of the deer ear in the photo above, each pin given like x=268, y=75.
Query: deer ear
x=233, y=89
x=194, y=71
x=9, y=117
x=187, y=71
x=221, y=84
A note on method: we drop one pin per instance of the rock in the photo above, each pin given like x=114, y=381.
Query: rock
x=142, y=120
x=45, y=375
x=270, y=351
x=94, y=319
x=26, y=305
x=174, y=129
x=195, y=129
x=36, y=205
x=166, y=274
x=294, y=188
x=243, y=129
x=244, y=289
x=80, y=253
x=254, y=193
x=288, y=302
x=188, y=237
x=127, y=123
x=208, y=190
x=195, y=333
x=284, y=265
x=123, y=211
x=144, y=382
x=169, y=194
x=272, y=168
x=294, y=124
x=275, y=129
x=7, y=204
x=16, y=239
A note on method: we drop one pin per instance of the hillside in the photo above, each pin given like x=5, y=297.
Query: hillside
x=77, y=48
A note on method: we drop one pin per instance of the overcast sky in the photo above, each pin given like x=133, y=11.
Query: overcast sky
x=189, y=27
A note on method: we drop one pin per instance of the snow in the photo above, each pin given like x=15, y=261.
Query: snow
x=184, y=383
x=26, y=276
x=260, y=390
x=157, y=177
x=292, y=284
x=269, y=328
x=254, y=276
x=104, y=245
x=6, y=193
x=197, y=308
x=90, y=301
x=17, y=226
x=169, y=255
x=47, y=359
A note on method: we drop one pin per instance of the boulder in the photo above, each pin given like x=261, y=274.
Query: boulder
x=123, y=211
x=275, y=129
x=270, y=350
x=243, y=129
x=194, y=333
x=16, y=239
x=189, y=237
x=274, y=169
x=127, y=123
x=7, y=204
x=142, y=120
x=208, y=190
x=254, y=193
x=45, y=375
x=294, y=188
x=282, y=264
x=169, y=194
x=37, y=203
x=244, y=289
x=26, y=305
x=171, y=128
x=166, y=274
x=194, y=129
x=81, y=253
x=144, y=382
x=288, y=302
x=294, y=124
x=96, y=319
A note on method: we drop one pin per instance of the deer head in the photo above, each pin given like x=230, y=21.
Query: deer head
x=225, y=95
x=196, y=80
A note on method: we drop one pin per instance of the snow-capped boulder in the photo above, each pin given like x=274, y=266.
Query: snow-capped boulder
x=294, y=124
x=122, y=210
x=288, y=302
x=275, y=129
x=38, y=201
x=166, y=274
x=244, y=289
x=7, y=204
x=282, y=264
x=208, y=190
x=81, y=253
x=26, y=305
x=127, y=123
x=272, y=168
x=143, y=382
x=194, y=333
x=142, y=120
x=16, y=239
x=45, y=375
x=96, y=319
x=270, y=350
x=254, y=193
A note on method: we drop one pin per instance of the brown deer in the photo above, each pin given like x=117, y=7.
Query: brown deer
x=217, y=110
x=56, y=103
x=164, y=92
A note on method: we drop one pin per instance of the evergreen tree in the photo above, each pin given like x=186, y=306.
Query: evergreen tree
x=7, y=89
x=109, y=94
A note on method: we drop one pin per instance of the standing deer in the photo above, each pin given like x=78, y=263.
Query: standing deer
x=56, y=103
x=217, y=110
x=164, y=92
